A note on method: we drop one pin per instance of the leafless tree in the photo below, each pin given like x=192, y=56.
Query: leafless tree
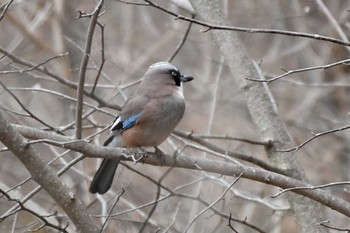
x=263, y=145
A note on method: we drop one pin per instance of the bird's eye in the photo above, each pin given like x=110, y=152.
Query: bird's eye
x=174, y=73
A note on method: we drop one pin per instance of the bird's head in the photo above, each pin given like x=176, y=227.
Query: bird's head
x=165, y=73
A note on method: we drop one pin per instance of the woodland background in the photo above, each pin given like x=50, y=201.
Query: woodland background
x=41, y=64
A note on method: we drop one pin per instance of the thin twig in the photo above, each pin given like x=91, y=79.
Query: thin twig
x=213, y=147
x=14, y=112
x=182, y=41
x=33, y=67
x=5, y=8
x=156, y=199
x=226, y=137
x=313, y=138
x=110, y=211
x=212, y=204
x=37, y=189
x=58, y=78
x=82, y=70
x=333, y=21
x=174, y=193
x=103, y=58
x=29, y=112
x=230, y=225
x=63, y=96
x=46, y=223
x=312, y=187
x=289, y=72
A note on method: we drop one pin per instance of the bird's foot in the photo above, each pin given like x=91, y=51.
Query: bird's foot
x=138, y=154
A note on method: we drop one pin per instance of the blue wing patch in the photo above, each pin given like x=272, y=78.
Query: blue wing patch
x=119, y=126
x=128, y=123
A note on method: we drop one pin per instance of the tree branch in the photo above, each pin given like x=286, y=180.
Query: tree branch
x=82, y=70
x=212, y=26
x=191, y=162
x=261, y=107
x=58, y=78
x=45, y=177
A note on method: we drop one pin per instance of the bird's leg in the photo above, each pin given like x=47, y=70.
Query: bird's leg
x=160, y=155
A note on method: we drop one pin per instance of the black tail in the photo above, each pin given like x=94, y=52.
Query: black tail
x=104, y=176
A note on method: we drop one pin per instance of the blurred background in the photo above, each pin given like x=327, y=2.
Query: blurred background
x=135, y=36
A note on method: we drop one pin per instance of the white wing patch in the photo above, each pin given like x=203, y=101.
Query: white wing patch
x=115, y=123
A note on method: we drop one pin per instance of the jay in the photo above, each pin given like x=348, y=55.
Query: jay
x=146, y=119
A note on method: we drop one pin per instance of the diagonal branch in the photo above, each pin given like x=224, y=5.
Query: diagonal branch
x=4, y=9
x=315, y=135
x=29, y=112
x=45, y=177
x=58, y=78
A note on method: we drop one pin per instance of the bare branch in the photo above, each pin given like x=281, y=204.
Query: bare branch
x=110, y=211
x=58, y=78
x=156, y=200
x=211, y=146
x=227, y=137
x=333, y=21
x=174, y=193
x=315, y=135
x=262, y=109
x=189, y=162
x=29, y=112
x=289, y=72
x=46, y=223
x=213, y=203
x=82, y=70
x=182, y=41
x=312, y=187
x=44, y=176
x=210, y=26
x=33, y=67
x=230, y=225
x=103, y=58
x=4, y=8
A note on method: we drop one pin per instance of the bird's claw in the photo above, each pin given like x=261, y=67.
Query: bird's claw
x=138, y=154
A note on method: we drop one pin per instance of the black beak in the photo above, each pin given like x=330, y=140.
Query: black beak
x=186, y=78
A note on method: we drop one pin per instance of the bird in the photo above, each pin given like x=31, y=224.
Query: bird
x=147, y=118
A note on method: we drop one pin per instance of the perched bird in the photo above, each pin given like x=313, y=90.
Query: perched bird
x=146, y=119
